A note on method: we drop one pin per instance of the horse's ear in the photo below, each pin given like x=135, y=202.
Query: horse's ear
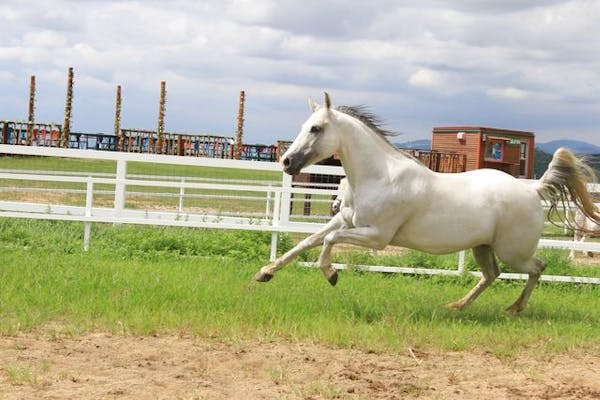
x=327, y=101
x=312, y=104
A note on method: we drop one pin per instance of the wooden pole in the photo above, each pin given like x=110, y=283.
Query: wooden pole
x=64, y=142
x=161, y=117
x=240, y=127
x=31, y=118
x=4, y=132
x=118, y=134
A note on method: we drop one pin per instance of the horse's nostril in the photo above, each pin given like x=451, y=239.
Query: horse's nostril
x=286, y=162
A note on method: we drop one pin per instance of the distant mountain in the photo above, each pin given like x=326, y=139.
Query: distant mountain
x=423, y=144
x=576, y=146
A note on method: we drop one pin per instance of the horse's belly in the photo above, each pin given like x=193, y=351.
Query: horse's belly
x=448, y=232
x=441, y=241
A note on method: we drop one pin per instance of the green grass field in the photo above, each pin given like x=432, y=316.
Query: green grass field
x=136, y=168
x=144, y=280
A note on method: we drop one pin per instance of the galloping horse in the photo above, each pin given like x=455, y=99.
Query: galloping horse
x=391, y=198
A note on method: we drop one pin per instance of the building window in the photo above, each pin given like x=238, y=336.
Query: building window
x=494, y=150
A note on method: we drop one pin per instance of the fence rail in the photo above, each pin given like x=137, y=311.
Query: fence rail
x=277, y=197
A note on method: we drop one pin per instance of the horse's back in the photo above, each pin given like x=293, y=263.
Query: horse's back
x=487, y=189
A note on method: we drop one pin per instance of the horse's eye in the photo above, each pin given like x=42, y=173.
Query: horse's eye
x=316, y=129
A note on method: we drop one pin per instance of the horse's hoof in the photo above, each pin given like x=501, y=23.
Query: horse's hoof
x=514, y=309
x=332, y=279
x=263, y=276
x=456, y=306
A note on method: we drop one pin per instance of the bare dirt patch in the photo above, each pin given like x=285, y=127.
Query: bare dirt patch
x=106, y=366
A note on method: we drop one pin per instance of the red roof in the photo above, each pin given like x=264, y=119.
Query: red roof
x=467, y=129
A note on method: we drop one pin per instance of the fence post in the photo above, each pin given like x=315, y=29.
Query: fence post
x=87, y=226
x=275, y=222
x=274, y=240
x=461, y=261
x=286, y=198
x=120, y=185
x=281, y=211
x=268, y=206
x=181, y=194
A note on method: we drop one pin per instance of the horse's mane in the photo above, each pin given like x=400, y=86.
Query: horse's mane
x=373, y=122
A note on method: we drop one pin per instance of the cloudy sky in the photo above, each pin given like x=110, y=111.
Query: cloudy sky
x=531, y=65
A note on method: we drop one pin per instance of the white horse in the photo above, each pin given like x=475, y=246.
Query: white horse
x=583, y=229
x=394, y=199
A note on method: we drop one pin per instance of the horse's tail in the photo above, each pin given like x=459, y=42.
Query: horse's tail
x=565, y=180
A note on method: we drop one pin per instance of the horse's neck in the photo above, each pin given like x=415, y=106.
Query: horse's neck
x=367, y=158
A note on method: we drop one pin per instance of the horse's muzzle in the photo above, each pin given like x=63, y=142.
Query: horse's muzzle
x=289, y=166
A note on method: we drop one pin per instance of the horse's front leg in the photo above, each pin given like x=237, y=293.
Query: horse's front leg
x=370, y=237
x=266, y=273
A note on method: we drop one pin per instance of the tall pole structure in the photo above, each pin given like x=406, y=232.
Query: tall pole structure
x=161, y=117
x=118, y=134
x=30, y=117
x=240, y=127
x=64, y=142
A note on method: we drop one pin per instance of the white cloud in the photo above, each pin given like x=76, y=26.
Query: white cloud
x=44, y=39
x=508, y=93
x=6, y=76
x=425, y=78
x=251, y=11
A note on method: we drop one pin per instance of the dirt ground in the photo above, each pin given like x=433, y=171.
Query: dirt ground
x=106, y=366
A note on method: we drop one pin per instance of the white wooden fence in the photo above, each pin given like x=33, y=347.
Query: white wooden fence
x=277, y=197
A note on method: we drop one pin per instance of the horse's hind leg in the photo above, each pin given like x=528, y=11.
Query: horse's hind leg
x=534, y=268
x=484, y=256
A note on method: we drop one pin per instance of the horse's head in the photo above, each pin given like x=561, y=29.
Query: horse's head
x=316, y=141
